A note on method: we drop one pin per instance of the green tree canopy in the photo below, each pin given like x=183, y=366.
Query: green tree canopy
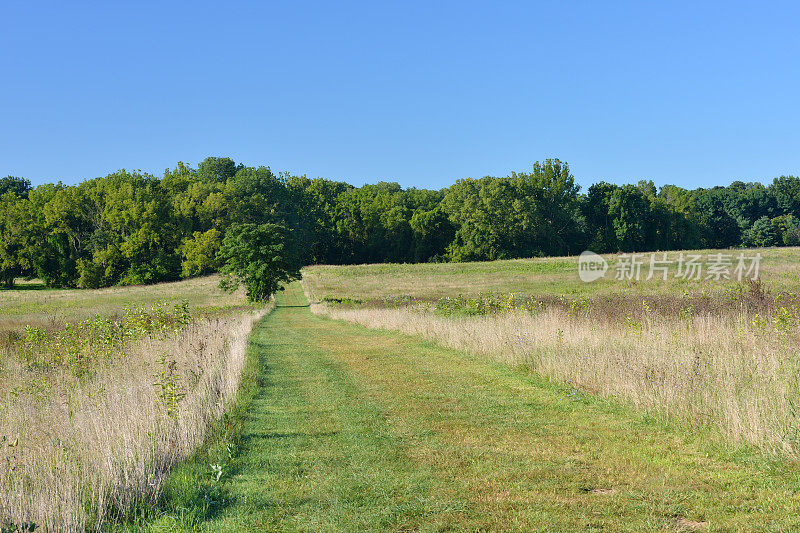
x=19, y=186
x=522, y=215
x=259, y=256
x=200, y=253
x=131, y=227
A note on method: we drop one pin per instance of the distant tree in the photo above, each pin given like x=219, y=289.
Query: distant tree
x=747, y=202
x=762, y=233
x=217, y=168
x=178, y=179
x=494, y=217
x=637, y=218
x=433, y=231
x=682, y=200
x=788, y=227
x=130, y=227
x=557, y=206
x=19, y=186
x=374, y=222
x=786, y=190
x=630, y=213
x=136, y=239
x=596, y=207
x=648, y=188
x=522, y=215
x=58, y=233
x=315, y=202
x=200, y=253
x=718, y=228
x=260, y=257
x=13, y=225
x=671, y=229
x=677, y=223
x=255, y=196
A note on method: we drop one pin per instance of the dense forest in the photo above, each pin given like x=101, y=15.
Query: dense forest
x=132, y=227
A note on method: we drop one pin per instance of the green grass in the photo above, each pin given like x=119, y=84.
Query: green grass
x=28, y=306
x=539, y=276
x=354, y=429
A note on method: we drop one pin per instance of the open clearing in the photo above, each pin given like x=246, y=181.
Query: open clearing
x=33, y=305
x=349, y=428
x=780, y=267
x=358, y=429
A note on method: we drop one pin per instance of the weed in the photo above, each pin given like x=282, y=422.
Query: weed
x=784, y=321
x=168, y=389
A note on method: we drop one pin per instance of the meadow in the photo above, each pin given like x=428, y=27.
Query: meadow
x=553, y=276
x=504, y=395
x=31, y=304
x=358, y=429
x=719, y=353
x=103, y=391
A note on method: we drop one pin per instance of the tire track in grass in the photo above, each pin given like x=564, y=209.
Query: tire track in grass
x=358, y=429
x=317, y=454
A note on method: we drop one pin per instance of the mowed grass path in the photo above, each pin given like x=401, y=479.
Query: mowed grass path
x=356, y=429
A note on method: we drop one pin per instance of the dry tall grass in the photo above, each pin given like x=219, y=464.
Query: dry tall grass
x=80, y=447
x=740, y=372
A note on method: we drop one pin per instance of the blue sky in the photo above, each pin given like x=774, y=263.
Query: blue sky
x=423, y=93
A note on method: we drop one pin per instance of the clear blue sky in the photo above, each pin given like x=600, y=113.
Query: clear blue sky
x=423, y=93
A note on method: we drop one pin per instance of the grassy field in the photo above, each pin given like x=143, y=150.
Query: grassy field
x=356, y=429
x=703, y=352
x=33, y=305
x=780, y=268
x=102, y=392
x=479, y=396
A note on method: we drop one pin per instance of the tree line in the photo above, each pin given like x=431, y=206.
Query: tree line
x=133, y=227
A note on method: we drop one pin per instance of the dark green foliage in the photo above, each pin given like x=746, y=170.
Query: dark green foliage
x=596, y=209
x=130, y=228
x=788, y=227
x=747, y=202
x=217, y=169
x=762, y=233
x=315, y=203
x=786, y=191
x=134, y=239
x=717, y=226
x=13, y=237
x=779, y=231
x=260, y=257
x=632, y=220
x=19, y=186
x=433, y=232
x=523, y=215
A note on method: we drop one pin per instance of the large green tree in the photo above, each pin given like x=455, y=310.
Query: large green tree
x=14, y=226
x=786, y=191
x=261, y=257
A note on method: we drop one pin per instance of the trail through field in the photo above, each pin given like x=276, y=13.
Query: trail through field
x=357, y=429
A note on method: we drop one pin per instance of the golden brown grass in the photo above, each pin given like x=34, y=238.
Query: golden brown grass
x=703, y=351
x=740, y=373
x=93, y=415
